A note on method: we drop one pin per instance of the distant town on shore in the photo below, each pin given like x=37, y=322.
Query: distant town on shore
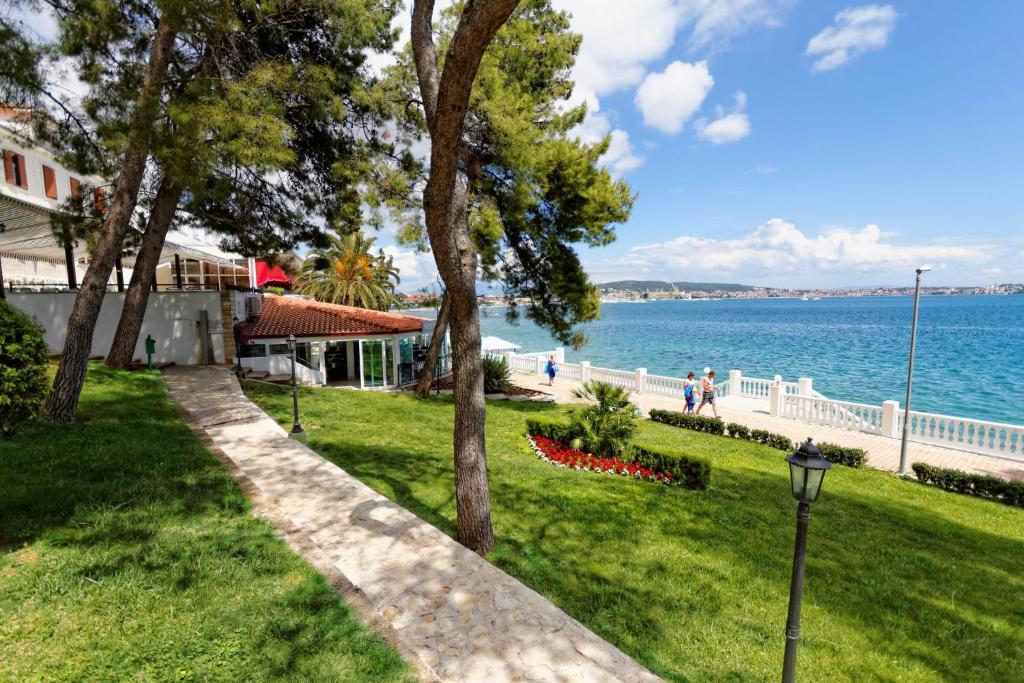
x=638, y=290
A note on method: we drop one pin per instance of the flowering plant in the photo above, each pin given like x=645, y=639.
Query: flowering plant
x=562, y=456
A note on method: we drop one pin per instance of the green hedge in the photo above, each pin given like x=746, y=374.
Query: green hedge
x=842, y=455
x=711, y=425
x=688, y=471
x=772, y=439
x=738, y=431
x=23, y=360
x=1007, y=491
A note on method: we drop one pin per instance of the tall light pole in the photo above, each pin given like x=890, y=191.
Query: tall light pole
x=910, y=371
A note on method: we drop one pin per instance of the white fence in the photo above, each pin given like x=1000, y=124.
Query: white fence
x=993, y=438
x=800, y=401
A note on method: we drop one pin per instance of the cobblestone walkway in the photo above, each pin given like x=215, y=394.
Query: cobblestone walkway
x=883, y=452
x=456, y=616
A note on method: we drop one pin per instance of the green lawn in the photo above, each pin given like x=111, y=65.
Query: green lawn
x=127, y=552
x=904, y=582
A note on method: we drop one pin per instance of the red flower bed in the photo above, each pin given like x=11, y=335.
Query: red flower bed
x=562, y=456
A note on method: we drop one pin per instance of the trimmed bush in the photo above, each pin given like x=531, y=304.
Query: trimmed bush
x=772, y=439
x=550, y=429
x=738, y=431
x=688, y=471
x=1007, y=491
x=842, y=455
x=23, y=361
x=710, y=425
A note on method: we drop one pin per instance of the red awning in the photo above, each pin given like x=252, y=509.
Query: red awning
x=270, y=275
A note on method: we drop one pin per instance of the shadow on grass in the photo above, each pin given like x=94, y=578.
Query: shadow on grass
x=638, y=563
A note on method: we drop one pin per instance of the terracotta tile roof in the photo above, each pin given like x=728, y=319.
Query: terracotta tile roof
x=283, y=315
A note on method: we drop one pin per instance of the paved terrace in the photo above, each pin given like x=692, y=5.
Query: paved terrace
x=450, y=613
x=883, y=452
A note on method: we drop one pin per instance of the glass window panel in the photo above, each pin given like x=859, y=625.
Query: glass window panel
x=252, y=351
x=373, y=363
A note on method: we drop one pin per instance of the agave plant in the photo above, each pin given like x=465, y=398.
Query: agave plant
x=605, y=425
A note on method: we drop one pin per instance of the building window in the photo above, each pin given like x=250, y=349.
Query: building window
x=14, y=169
x=252, y=351
x=50, y=182
x=75, y=185
x=99, y=198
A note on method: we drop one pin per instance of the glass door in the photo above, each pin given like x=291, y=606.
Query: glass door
x=372, y=353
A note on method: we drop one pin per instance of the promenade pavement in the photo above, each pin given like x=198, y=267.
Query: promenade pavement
x=883, y=452
x=450, y=613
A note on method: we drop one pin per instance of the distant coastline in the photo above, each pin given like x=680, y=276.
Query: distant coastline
x=653, y=290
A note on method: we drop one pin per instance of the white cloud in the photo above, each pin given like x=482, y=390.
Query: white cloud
x=717, y=21
x=728, y=127
x=778, y=253
x=856, y=30
x=416, y=269
x=668, y=99
x=620, y=157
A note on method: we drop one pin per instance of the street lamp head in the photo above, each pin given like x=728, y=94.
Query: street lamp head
x=234, y=319
x=291, y=342
x=807, y=469
x=923, y=269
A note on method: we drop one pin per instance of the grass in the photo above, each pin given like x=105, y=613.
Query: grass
x=904, y=582
x=127, y=552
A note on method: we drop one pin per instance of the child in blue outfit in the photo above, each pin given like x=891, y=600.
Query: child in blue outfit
x=549, y=370
x=690, y=392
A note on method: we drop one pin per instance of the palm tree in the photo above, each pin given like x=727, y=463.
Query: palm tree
x=347, y=272
x=605, y=425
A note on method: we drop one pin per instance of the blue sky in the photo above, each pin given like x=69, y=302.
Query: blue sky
x=799, y=143
x=918, y=132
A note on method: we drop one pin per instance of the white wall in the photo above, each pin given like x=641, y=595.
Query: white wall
x=172, y=318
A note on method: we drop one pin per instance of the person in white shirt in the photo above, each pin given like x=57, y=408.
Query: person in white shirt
x=708, y=393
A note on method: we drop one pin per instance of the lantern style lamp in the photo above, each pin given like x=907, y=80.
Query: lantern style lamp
x=807, y=469
x=296, y=427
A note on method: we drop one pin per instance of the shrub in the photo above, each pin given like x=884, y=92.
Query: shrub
x=688, y=471
x=550, y=429
x=711, y=425
x=738, y=431
x=771, y=439
x=1006, y=491
x=497, y=375
x=605, y=425
x=23, y=361
x=842, y=455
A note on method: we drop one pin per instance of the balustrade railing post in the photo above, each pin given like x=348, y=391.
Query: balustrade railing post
x=560, y=354
x=584, y=371
x=540, y=364
x=890, y=419
x=735, y=378
x=508, y=355
x=806, y=388
x=641, y=376
x=775, y=398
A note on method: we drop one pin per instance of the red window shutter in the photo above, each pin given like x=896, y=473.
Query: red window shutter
x=76, y=187
x=50, y=182
x=99, y=198
x=22, y=176
x=9, y=166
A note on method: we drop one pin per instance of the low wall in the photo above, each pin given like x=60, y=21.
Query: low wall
x=172, y=318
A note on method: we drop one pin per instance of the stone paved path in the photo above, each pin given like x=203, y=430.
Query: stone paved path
x=883, y=452
x=457, y=616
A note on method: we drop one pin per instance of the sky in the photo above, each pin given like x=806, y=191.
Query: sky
x=805, y=144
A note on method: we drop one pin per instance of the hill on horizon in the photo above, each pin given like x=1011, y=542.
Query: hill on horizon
x=664, y=286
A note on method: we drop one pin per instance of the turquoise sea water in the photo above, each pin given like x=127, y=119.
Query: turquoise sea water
x=970, y=349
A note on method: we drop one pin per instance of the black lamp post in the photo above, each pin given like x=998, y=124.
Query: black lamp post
x=296, y=427
x=238, y=346
x=807, y=470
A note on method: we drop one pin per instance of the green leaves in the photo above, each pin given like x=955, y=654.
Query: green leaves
x=348, y=273
x=23, y=361
x=605, y=425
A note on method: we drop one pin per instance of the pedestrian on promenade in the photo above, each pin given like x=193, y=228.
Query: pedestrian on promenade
x=708, y=395
x=690, y=392
x=549, y=370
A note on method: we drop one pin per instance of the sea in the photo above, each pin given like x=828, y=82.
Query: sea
x=969, y=361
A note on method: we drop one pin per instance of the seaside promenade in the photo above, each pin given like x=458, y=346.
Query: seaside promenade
x=882, y=452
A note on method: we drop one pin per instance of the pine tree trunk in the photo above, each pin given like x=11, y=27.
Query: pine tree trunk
x=62, y=403
x=134, y=311
x=434, y=350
